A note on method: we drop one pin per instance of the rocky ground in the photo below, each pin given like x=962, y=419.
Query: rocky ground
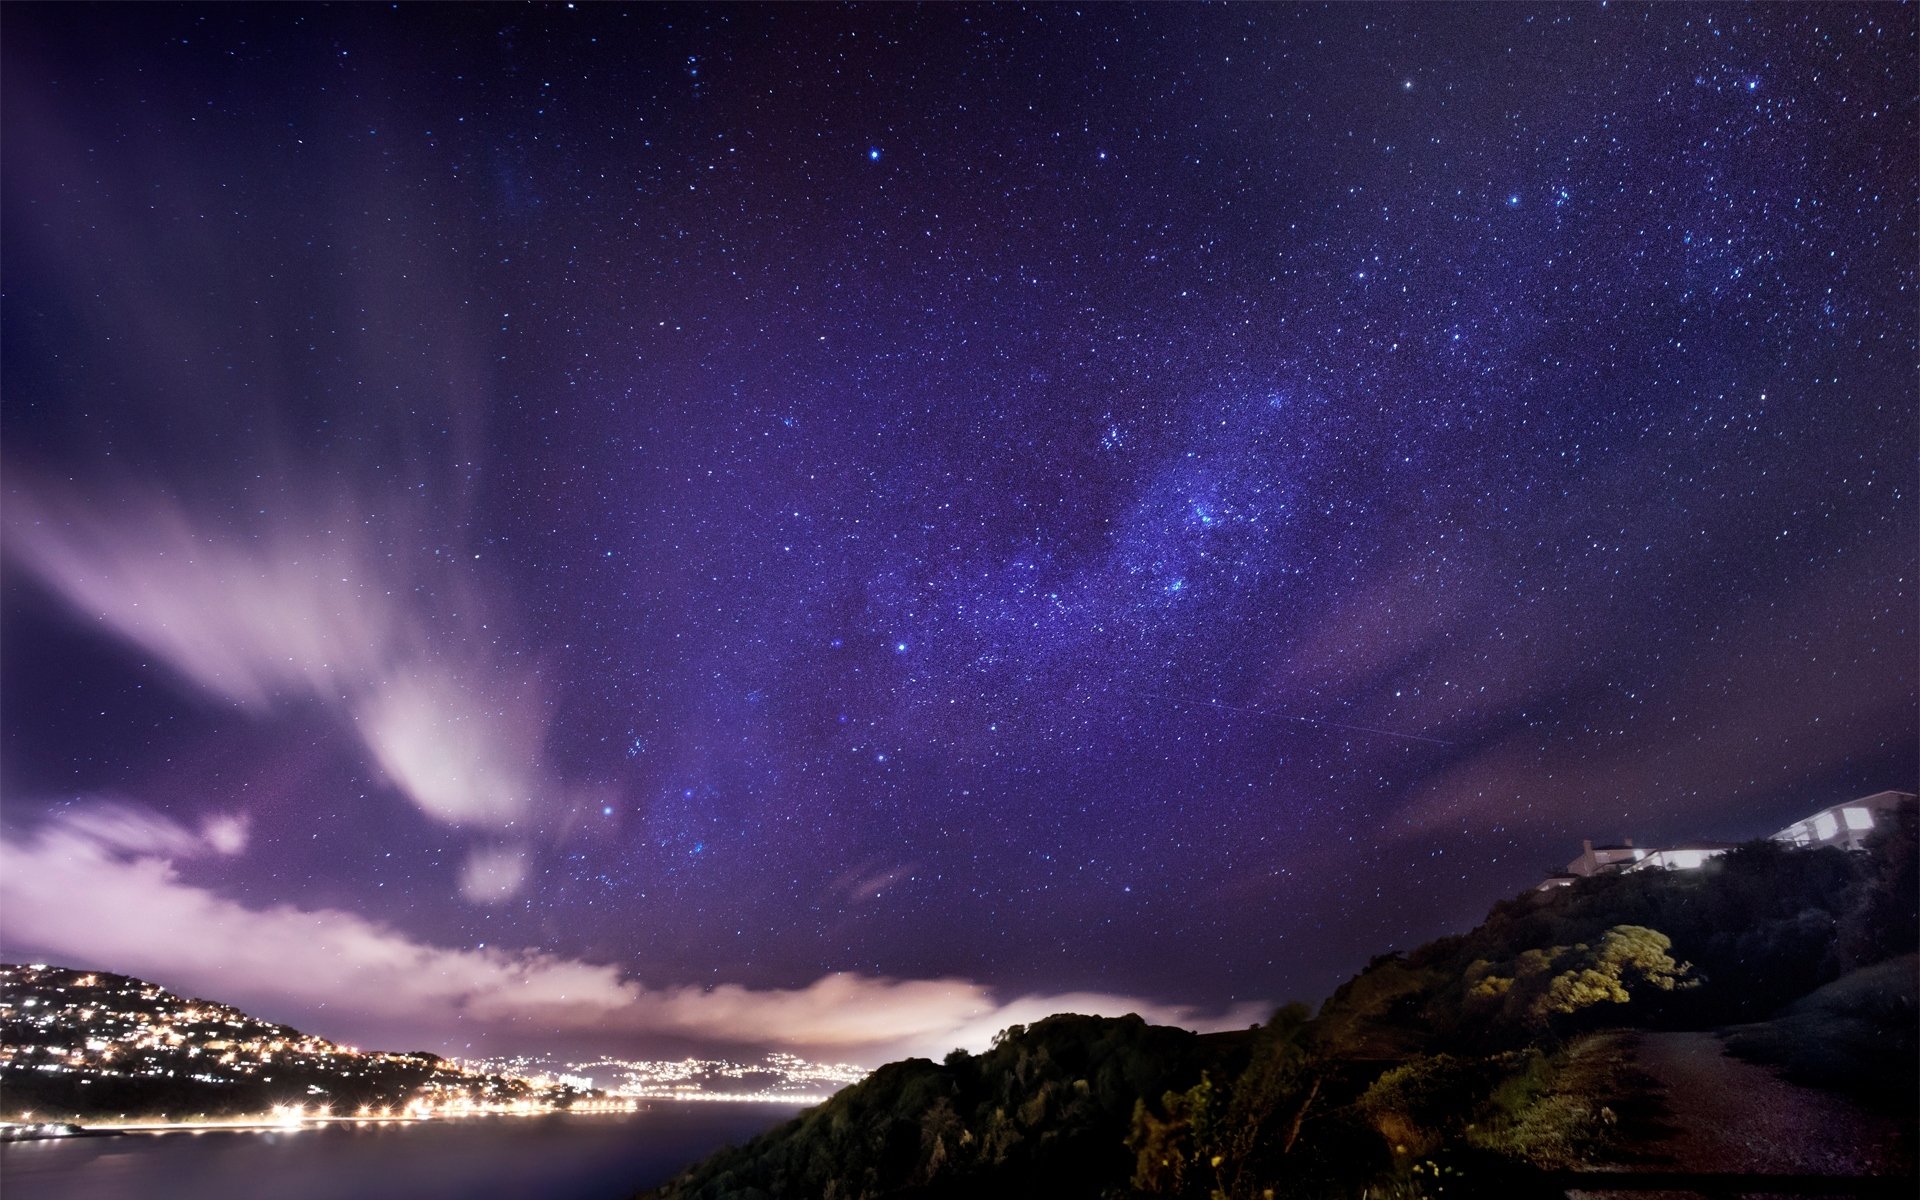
x=1723, y=1115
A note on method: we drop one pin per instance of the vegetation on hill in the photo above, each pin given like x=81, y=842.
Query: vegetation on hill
x=1048, y=1106
x=1464, y=1067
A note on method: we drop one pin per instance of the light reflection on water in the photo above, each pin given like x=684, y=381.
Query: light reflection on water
x=561, y=1157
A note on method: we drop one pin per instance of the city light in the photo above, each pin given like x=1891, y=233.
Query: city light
x=91, y=1027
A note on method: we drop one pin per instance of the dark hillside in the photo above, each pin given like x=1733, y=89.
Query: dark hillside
x=1045, y=1112
x=1466, y=1067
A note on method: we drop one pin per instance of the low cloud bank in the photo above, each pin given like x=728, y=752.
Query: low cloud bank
x=102, y=886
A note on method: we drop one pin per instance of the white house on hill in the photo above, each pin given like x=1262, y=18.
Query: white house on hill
x=1595, y=859
x=1846, y=825
x=1684, y=857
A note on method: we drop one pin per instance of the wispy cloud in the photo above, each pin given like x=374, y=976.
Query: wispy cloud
x=1716, y=733
x=327, y=606
x=104, y=886
x=1711, y=770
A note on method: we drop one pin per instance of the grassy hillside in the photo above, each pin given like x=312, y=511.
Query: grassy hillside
x=1462, y=1068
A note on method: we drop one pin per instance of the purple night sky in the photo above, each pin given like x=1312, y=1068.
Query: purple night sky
x=844, y=528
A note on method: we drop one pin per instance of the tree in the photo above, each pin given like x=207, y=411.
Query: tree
x=1541, y=985
x=1884, y=919
x=1628, y=955
x=1173, y=1154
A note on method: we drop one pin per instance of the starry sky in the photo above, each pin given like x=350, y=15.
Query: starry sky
x=845, y=527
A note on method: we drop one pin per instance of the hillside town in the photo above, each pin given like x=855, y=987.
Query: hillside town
x=89, y=1042
x=776, y=1077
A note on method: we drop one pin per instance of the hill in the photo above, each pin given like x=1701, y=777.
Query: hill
x=1048, y=1106
x=88, y=1044
x=1473, y=1065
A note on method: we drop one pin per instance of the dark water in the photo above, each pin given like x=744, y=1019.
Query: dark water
x=546, y=1158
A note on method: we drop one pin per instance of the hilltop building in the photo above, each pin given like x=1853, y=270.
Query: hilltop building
x=1684, y=857
x=1594, y=859
x=1847, y=826
x=1597, y=860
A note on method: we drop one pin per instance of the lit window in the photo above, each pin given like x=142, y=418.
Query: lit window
x=1824, y=826
x=1857, y=818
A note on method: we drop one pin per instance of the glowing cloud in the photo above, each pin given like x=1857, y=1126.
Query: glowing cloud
x=323, y=610
x=493, y=874
x=103, y=885
x=226, y=835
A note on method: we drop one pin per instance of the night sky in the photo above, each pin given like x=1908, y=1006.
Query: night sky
x=848, y=527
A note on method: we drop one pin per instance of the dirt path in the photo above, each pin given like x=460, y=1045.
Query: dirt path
x=1730, y=1115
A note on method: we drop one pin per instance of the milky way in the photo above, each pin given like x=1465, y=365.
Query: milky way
x=751, y=513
